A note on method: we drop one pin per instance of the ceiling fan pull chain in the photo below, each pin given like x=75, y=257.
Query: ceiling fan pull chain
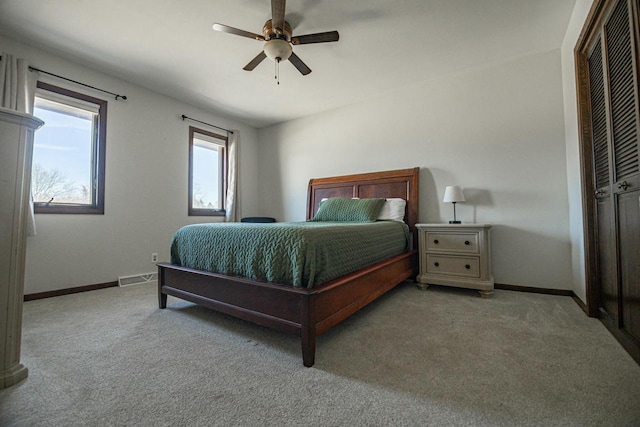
x=277, y=76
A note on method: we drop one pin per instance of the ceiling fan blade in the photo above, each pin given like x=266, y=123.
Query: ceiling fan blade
x=254, y=62
x=277, y=15
x=301, y=66
x=329, y=36
x=237, y=32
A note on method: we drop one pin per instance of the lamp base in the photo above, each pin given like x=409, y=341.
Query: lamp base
x=455, y=222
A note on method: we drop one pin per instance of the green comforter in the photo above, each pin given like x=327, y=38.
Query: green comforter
x=301, y=254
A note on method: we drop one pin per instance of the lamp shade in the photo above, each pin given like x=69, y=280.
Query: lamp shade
x=453, y=193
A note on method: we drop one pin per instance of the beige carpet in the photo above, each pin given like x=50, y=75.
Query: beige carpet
x=440, y=357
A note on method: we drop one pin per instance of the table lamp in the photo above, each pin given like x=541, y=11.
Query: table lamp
x=453, y=194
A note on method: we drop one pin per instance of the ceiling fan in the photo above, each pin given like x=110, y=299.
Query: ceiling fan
x=278, y=36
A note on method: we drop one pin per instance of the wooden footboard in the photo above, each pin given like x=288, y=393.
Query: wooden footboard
x=274, y=306
x=305, y=312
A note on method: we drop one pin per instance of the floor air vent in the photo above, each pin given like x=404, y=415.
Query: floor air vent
x=138, y=279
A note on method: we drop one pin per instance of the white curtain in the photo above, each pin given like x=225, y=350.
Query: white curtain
x=231, y=202
x=17, y=92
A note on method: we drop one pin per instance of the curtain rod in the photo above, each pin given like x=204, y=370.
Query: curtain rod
x=76, y=82
x=205, y=123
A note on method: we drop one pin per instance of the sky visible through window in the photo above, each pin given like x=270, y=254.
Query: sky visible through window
x=62, y=157
x=205, y=175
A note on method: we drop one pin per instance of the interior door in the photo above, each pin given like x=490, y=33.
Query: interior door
x=604, y=218
x=625, y=170
x=614, y=126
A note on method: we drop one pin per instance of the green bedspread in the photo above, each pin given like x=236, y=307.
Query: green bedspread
x=301, y=254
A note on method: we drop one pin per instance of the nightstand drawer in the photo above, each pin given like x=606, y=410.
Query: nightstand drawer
x=453, y=265
x=455, y=242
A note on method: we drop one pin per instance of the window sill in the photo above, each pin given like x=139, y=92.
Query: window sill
x=206, y=212
x=71, y=209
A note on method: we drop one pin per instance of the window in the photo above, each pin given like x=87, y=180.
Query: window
x=207, y=172
x=69, y=152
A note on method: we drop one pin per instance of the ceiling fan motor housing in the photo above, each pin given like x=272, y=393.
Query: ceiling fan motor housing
x=275, y=33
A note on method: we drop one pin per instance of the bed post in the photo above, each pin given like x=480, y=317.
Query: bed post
x=308, y=329
x=162, y=298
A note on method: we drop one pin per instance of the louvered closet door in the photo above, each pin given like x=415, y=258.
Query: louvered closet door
x=605, y=225
x=613, y=89
x=623, y=89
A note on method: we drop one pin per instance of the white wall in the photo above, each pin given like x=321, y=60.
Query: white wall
x=507, y=132
x=497, y=130
x=146, y=184
x=574, y=185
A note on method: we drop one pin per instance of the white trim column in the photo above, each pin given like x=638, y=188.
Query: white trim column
x=16, y=151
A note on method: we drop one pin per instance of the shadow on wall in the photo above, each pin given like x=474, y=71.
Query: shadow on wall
x=477, y=197
x=523, y=258
x=427, y=197
x=270, y=185
x=434, y=210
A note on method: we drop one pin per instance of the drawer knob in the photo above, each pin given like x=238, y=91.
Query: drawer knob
x=467, y=266
x=466, y=242
x=436, y=241
x=437, y=264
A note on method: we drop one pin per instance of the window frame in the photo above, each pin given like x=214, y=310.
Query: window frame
x=192, y=211
x=99, y=149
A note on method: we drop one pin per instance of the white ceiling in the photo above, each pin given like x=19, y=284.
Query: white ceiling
x=168, y=46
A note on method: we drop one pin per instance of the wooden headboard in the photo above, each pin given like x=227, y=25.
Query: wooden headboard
x=402, y=183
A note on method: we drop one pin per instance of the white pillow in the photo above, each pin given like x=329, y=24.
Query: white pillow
x=392, y=210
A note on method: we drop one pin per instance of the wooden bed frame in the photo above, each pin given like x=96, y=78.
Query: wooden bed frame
x=306, y=312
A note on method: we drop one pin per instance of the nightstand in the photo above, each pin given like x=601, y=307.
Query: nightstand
x=455, y=255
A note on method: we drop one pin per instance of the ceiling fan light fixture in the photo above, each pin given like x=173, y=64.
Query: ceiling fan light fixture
x=278, y=50
x=277, y=34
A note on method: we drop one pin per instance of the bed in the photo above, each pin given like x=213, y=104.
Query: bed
x=307, y=311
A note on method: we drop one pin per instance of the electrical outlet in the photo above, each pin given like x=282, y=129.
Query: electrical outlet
x=154, y=257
